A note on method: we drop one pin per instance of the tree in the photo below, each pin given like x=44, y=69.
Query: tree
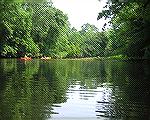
x=94, y=42
x=15, y=28
x=131, y=20
x=75, y=40
x=48, y=25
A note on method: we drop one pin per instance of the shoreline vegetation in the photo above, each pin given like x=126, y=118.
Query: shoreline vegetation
x=39, y=29
x=117, y=57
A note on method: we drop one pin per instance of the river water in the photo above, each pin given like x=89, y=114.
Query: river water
x=74, y=89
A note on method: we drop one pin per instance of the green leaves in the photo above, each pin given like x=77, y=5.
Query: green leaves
x=8, y=50
x=129, y=20
x=16, y=22
x=40, y=28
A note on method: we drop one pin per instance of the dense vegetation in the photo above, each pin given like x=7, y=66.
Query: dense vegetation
x=37, y=29
x=130, y=20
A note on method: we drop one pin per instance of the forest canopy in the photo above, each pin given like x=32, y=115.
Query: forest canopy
x=39, y=29
x=130, y=20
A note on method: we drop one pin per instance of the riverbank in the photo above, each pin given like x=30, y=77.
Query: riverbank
x=118, y=57
x=102, y=59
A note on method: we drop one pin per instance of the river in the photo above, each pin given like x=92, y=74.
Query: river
x=74, y=89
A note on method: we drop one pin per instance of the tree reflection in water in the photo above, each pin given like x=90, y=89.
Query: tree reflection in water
x=28, y=90
x=126, y=99
x=105, y=89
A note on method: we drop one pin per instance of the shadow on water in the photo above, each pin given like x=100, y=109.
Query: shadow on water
x=28, y=90
x=64, y=88
x=128, y=95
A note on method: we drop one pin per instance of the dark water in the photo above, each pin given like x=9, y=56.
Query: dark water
x=69, y=89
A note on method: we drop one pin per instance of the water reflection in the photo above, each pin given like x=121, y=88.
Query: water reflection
x=129, y=95
x=74, y=89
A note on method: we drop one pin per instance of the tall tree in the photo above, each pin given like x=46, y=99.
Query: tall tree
x=48, y=25
x=15, y=29
x=130, y=19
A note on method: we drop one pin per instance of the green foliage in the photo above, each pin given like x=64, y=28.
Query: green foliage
x=41, y=29
x=130, y=22
x=49, y=24
x=36, y=29
x=15, y=28
x=88, y=42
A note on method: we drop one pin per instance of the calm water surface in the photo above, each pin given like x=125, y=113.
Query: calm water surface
x=74, y=89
